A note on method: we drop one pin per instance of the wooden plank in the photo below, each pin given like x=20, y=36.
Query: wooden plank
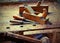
x=23, y=37
x=40, y=31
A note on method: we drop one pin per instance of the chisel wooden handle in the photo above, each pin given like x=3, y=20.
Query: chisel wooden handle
x=22, y=19
x=17, y=18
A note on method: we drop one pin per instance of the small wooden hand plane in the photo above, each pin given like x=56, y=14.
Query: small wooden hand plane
x=33, y=17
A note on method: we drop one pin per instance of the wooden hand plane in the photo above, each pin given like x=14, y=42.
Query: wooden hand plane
x=34, y=18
